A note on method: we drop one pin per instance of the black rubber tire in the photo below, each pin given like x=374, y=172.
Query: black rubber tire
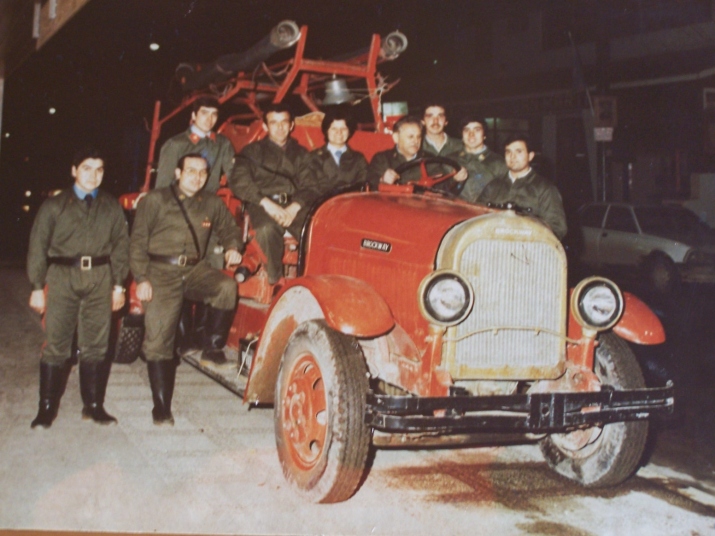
x=328, y=369
x=129, y=339
x=614, y=454
x=662, y=274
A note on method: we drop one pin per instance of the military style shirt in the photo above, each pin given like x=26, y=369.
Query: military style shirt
x=215, y=148
x=330, y=176
x=452, y=145
x=65, y=227
x=160, y=228
x=392, y=159
x=532, y=191
x=483, y=168
x=264, y=169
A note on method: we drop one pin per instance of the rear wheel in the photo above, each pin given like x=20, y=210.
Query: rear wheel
x=129, y=339
x=608, y=455
x=321, y=435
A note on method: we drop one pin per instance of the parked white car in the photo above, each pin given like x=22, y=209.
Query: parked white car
x=667, y=244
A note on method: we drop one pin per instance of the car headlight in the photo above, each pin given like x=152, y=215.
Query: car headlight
x=446, y=298
x=597, y=303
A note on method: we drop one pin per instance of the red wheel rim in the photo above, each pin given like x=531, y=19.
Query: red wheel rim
x=304, y=412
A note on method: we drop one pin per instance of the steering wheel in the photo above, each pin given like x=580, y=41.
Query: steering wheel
x=426, y=180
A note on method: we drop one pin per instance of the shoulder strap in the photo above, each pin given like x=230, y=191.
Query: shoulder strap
x=188, y=221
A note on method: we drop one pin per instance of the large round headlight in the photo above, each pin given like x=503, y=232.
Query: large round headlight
x=597, y=303
x=446, y=298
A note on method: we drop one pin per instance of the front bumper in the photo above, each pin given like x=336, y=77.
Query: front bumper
x=522, y=413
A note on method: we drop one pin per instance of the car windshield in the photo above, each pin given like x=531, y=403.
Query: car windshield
x=673, y=222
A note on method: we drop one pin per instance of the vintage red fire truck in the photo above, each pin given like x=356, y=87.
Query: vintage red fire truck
x=411, y=318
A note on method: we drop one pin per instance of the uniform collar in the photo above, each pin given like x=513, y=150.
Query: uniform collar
x=81, y=194
x=196, y=135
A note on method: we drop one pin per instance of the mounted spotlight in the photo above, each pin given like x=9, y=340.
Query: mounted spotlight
x=337, y=92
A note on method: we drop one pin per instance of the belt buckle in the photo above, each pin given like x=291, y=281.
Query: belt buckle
x=283, y=198
x=85, y=263
x=182, y=260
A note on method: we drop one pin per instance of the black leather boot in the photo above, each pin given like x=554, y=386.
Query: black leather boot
x=51, y=386
x=187, y=338
x=161, y=378
x=93, y=377
x=215, y=336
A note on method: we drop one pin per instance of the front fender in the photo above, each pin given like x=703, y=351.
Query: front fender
x=348, y=305
x=639, y=324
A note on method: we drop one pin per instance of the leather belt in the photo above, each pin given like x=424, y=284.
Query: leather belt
x=282, y=198
x=84, y=262
x=180, y=260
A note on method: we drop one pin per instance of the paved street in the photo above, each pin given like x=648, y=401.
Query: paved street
x=217, y=471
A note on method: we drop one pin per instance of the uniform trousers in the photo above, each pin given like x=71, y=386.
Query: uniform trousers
x=78, y=300
x=269, y=235
x=170, y=285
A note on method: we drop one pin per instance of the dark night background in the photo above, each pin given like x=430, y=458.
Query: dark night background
x=101, y=77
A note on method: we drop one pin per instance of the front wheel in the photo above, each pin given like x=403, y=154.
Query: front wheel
x=608, y=455
x=321, y=435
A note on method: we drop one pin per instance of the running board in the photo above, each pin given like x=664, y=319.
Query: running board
x=232, y=376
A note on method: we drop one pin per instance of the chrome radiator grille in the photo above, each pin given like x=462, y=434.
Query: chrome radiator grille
x=519, y=289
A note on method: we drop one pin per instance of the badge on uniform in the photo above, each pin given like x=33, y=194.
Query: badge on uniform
x=481, y=157
x=206, y=224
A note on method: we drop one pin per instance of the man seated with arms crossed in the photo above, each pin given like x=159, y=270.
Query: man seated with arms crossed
x=524, y=187
x=335, y=165
x=482, y=164
x=271, y=177
x=407, y=135
x=167, y=258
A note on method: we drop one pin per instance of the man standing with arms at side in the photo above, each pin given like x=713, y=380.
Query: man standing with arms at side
x=482, y=164
x=167, y=250
x=335, y=165
x=524, y=187
x=79, y=249
x=271, y=177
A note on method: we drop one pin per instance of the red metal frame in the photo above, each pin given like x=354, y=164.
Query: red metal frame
x=244, y=88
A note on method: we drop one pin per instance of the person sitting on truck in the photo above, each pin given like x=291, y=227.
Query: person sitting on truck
x=167, y=258
x=270, y=177
x=524, y=187
x=407, y=135
x=199, y=138
x=482, y=164
x=436, y=141
x=335, y=165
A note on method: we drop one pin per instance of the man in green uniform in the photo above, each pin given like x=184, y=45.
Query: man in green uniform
x=482, y=164
x=436, y=141
x=78, y=249
x=271, y=177
x=407, y=135
x=199, y=138
x=166, y=255
x=335, y=165
x=525, y=188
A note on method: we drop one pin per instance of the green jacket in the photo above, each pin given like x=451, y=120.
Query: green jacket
x=483, y=168
x=532, y=191
x=452, y=145
x=64, y=227
x=215, y=148
x=391, y=159
x=160, y=228
x=263, y=169
x=329, y=176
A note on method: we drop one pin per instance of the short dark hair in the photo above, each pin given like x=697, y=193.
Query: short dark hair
x=472, y=119
x=278, y=108
x=205, y=101
x=432, y=104
x=338, y=113
x=519, y=137
x=407, y=120
x=180, y=163
x=85, y=152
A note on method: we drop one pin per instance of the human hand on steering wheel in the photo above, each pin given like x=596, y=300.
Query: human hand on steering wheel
x=426, y=180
